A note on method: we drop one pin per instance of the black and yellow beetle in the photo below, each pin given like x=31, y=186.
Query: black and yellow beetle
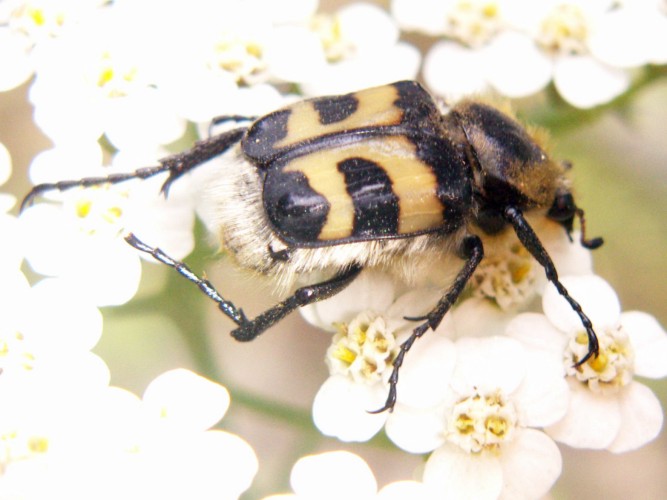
x=373, y=178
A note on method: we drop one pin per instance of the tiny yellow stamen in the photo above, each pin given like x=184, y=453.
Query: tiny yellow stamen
x=496, y=425
x=465, y=424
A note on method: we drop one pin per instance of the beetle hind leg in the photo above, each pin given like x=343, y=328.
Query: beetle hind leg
x=473, y=251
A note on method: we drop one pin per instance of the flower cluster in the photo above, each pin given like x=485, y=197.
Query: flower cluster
x=487, y=396
x=588, y=49
x=65, y=432
x=491, y=391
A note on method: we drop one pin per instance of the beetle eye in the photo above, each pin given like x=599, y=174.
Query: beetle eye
x=563, y=209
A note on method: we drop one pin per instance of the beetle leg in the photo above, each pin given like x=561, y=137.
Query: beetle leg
x=201, y=152
x=229, y=309
x=248, y=330
x=532, y=243
x=176, y=165
x=217, y=120
x=473, y=251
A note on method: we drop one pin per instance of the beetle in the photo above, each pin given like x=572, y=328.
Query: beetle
x=373, y=178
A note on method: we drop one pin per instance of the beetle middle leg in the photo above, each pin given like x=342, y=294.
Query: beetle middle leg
x=473, y=251
x=301, y=297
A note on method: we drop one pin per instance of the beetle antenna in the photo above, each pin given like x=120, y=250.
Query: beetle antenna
x=593, y=243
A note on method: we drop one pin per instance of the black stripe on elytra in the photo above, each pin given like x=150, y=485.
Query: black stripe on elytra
x=295, y=210
x=375, y=204
x=453, y=177
x=264, y=133
x=335, y=108
x=419, y=109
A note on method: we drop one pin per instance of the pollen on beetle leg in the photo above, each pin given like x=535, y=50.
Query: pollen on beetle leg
x=362, y=349
x=481, y=423
x=611, y=370
x=508, y=278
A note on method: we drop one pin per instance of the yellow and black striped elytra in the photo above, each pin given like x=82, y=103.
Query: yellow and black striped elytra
x=376, y=178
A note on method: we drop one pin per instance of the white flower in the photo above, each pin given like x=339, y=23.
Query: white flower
x=82, y=238
x=107, y=443
x=181, y=455
x=609, y=409
x=25, y=24
x=92, y=81
x=337, y=53
x=341, y=474
x=484, y=429
x=371, y=325
x=517, y=47
x=47, y=373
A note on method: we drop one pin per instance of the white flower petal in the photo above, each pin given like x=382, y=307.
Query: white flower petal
x=649, y=341
x=416, y=430
x=515, y=66
x=596, y=297
x=451, y=473
x=531, y=464
x=341, y=409
x=544, y=395
x=593, y=420
x=426, y=372
x=186, y=399
x=370, y=291
x=585, y=82
x=401, y=490
x=478, y=317
x=331, y=475
x=454, y=71
x=142, y=116
x=5, y=164
x=226, y=469
x=426, y=16
x=569, y=257
x=285, y=43
x=536, y=331
x=14, y=61
x=624, y=37
x=62, y=316
x=354, y=21
x=416, y=302
x=641, y=415
x=488, y=365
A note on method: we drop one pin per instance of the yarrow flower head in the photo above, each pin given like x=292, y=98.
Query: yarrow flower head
x=484, y=431
x=510, y=276
x=333, y=53
x=517, y=48
x=368, y=318
x=603, y=388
